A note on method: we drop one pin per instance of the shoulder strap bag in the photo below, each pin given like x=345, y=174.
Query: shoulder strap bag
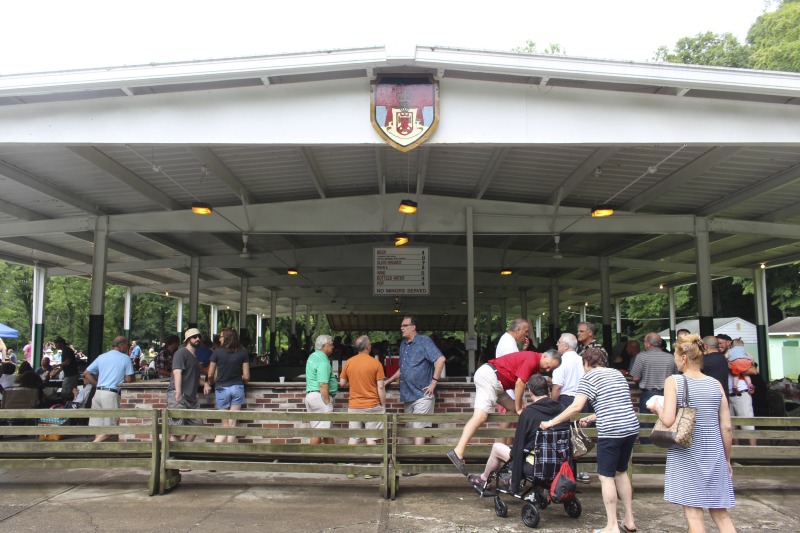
x=680, y=432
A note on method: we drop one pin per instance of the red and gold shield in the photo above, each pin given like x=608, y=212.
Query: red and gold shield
x=405, y=109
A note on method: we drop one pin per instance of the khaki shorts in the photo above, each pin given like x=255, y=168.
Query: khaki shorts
x=314, y=404
x=185, y=403
x=378, y=409
x=488, y=389
x=105, y=399
x=423, y=406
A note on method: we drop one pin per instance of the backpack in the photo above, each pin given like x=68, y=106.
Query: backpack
x=563, y=487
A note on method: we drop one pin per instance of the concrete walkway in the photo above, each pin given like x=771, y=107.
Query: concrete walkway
x=93, y=500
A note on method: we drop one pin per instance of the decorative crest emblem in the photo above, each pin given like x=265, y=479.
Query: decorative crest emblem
x=405, y=109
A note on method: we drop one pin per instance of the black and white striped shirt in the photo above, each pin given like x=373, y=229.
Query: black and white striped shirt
x=610, y=396
x=653, y=367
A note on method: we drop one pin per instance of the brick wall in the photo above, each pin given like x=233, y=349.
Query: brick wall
x=290, y=397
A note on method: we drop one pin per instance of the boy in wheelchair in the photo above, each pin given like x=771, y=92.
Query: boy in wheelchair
x=525, y=441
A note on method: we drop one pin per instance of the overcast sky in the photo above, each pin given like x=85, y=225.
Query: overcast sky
x=40, y=35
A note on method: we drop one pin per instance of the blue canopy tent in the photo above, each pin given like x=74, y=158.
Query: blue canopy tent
x=7, y=332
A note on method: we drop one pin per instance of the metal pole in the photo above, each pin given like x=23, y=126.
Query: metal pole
x=471, y=340
x=705, y=303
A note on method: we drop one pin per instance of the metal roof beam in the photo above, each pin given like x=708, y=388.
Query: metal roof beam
x=38, y=184
x=111, y=167
x=674, y=181
x=422, y=168
x=781, y=179
x=755, y=248
x=314, y=173
x=489, y=172
x=213, y=163
x=50, y=249
x=584, y=170
x=790, y=211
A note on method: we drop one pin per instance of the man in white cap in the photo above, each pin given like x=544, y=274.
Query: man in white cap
x=185, y=379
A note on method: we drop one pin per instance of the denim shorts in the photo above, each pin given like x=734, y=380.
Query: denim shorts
x=230, y=395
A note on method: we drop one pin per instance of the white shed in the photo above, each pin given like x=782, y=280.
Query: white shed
x=734, y=327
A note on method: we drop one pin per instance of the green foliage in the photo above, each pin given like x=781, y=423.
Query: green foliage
x=554, y=49
x=773, y=43
x=16, y=301
x=783, y=288
x=707, y=48
x=644, y=313
x=775, y=38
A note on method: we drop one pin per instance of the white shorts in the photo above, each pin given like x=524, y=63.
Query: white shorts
x=488, y=389
x=314, y=404
x=742, y=406
x=105, y=399
x=378, y=409
x=422, y=406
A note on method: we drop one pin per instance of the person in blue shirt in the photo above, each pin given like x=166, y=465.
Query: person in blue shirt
x=421, y=364
x=106, y=373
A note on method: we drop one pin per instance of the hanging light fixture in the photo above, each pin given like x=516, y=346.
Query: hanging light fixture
x=506, y=272
x=292, y=271
x=557, y=254
x=201, y=208
x=400, y=239
x=603, y=210
x=407, y=207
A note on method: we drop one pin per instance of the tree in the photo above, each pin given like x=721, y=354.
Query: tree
x=783, y=288
x=775, y=38
x=553, y=49
x=707, y=48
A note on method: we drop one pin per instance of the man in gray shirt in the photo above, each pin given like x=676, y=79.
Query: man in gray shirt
x=184, y=381
x=650, y=369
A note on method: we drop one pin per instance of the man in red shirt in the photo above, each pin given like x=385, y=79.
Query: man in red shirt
x=491, y=381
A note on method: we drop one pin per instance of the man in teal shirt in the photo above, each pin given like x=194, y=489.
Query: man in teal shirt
x=321, y=385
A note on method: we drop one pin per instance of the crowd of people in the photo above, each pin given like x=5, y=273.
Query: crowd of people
x=698, y=477
x=583, y=379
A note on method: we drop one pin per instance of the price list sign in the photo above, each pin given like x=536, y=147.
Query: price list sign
x=401, y=271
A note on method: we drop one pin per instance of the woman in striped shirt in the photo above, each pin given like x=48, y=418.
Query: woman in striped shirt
x=617, y=428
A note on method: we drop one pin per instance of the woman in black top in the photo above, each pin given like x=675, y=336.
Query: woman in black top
x=228, y=371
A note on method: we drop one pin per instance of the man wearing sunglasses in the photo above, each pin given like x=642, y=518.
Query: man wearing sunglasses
x=183, y=384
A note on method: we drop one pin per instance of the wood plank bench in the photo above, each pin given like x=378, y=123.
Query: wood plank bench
x=431, y=458
x=272, y=441
x=775, y=453
x=71, y=447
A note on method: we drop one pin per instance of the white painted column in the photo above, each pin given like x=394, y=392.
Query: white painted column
x=37, y=320
x=523, y=303
x=243, y=306
x=126, y=316
x=97, y=297
x=213, y=319
x=179, y=322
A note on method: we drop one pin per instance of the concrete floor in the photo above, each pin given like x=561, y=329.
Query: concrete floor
x=93, y=500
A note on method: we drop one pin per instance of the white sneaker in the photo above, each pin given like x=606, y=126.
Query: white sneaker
x=583, y=477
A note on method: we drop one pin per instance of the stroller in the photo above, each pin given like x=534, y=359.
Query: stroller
x=551, y=449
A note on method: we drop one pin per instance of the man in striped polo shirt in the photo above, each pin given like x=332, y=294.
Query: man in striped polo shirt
x=650, y=369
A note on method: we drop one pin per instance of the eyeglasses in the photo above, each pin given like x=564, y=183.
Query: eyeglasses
x=195, y=337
